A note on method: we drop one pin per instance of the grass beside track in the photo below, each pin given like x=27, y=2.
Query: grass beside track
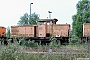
x=63, y=52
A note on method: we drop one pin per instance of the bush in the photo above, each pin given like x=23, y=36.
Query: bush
x=74, y=39
x=28, y=43
x=8, y=52
x=54, y=42
x=53, y=39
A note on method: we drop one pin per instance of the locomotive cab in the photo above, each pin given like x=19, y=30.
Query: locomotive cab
x=44, y=27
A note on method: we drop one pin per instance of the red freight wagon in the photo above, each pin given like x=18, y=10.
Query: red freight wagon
x=2, y=31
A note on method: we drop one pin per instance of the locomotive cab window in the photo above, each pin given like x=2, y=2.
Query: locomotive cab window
x=53, y=22
x=41, y=23
x=48, y=22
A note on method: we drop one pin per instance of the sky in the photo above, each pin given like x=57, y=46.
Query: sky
x=12, y=10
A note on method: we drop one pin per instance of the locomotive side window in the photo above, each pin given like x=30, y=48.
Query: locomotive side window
x=53, y=22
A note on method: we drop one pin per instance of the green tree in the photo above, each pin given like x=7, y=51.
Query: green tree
x=33, y=18
x=27, y=19
x=82, y=16
x=8, y=32
x=23, y=19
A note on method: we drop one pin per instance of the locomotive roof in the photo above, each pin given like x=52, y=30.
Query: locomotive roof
x=86, y=23
x=23, y=25
x=43, y=20
x=2, y=27
x=62, y=24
